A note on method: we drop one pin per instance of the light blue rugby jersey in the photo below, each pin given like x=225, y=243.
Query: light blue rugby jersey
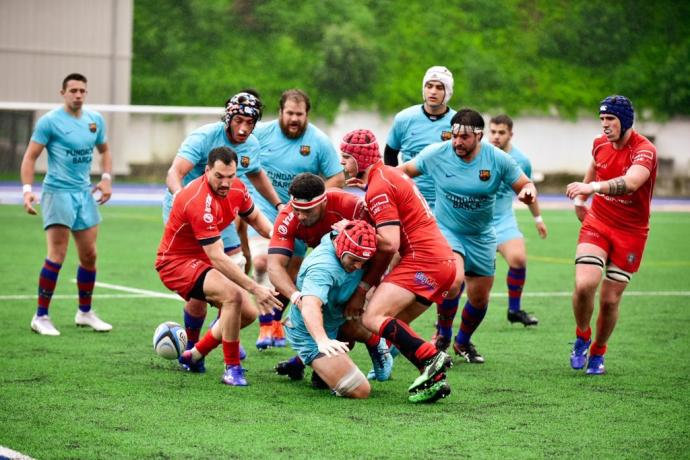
x=323, y=276
x=283, y=158
x=202, y=140
x=504, y=198
x=412, y=131
x=70, y=142
x=466, y=192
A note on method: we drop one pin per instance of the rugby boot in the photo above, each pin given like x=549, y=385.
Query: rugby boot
x=43, y=325
x=521, y=316
x=595, y=365
x=382, y=361
x=438, y=390
x=188, y=364
x=468, y=352
x=317, y=382
x=433, y=367
x=292, y=368
x=441, y=342
x=578, y=357
x=234, y=376
x=90, y=319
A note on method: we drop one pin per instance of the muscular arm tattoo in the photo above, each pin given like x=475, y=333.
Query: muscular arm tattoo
x=617, y=186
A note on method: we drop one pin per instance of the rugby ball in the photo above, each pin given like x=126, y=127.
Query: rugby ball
x=169, y=340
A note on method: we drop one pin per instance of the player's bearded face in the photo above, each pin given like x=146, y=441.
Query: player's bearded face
x=349, y=164
x=309, y=217
x=500, y=135
x=220, y=177
x=241, y=126
x=611, y=126
x=293, y=119
x=465, y=143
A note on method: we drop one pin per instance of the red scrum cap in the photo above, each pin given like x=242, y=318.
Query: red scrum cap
x=361, y=144
x=358, y=239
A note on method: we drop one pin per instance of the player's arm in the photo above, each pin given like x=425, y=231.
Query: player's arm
x=580, y=200
x=336, y=180
x=180, y=167
x=310, y=306
x=279, y=276
x=410, y=169
x=538, y=220
x=28, y=168
x=633, y=179
x=105, y=185
x=259, y=222
x=221, y=262
x=390, y=156
x=263, y=185
x=525, y=189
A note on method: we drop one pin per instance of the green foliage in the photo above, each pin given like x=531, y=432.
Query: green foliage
x=515, y=55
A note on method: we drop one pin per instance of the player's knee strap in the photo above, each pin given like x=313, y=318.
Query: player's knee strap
x=589, y=259
x=239, y=260
x=350, y=382
x=614, y=273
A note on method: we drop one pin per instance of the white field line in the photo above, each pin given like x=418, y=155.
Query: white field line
x=135, y=293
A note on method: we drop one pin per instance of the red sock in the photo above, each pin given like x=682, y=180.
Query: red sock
x=596, y=349
x=425, y=351
x=584, y=335
x=231, y=352
x=207, y=343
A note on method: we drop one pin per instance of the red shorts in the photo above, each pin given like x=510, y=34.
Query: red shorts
x=624, y=249
x=429, y=279
x=180, y=275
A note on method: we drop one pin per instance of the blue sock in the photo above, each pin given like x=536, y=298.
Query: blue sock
x=515, y=279
x=266, y=320
x=471, y=319
x=446, y=314
x=192, y=325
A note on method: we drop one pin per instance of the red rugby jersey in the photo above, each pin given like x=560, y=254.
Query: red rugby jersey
x=339, y=205
x=631, y=211
x=199, y=214
x=393, y=199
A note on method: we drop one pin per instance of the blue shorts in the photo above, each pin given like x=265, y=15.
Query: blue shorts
x=301, y=341
x=506, y=228
x=479, y=251
x=231, y=240
x=75, y=210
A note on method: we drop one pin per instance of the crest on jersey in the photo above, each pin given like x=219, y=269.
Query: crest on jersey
x=445, y=135
x=92, y=127
x=244, y=161
x=304, y=150
x=208, y=218
x=484, y=175
x=631, y=258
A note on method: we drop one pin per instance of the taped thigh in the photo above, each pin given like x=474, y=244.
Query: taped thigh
x=614, y=273
x=350, y=382
x=589, y=259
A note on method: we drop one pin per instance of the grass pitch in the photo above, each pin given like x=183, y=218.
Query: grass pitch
x=90, y=395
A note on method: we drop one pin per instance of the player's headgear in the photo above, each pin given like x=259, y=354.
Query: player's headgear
x=442, y=74
x=362, y=145
x=621, y=108
x=243, y=104
x=358, y=239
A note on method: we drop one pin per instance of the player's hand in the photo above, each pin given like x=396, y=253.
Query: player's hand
x=105, y=187
x=266, y=299
x=355, y=306
x=578, y=188
x=332, y=347
x=527, y=194
x=29, y=200
x=541, y=229
x=340, y=225
x=356, y=182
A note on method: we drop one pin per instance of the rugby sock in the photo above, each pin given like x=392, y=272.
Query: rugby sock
x=408, y=342
x=46, y=286
x=446, y=314
x=515, y=281
x=192, y=325
x=231, y=352
x=471, y=319
x=373, y=341
x=296, y=361
x=207, y=344
x=86, y=279
x=266, y=320
x=596, y=349
x=584, y=335
x=277, y=312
